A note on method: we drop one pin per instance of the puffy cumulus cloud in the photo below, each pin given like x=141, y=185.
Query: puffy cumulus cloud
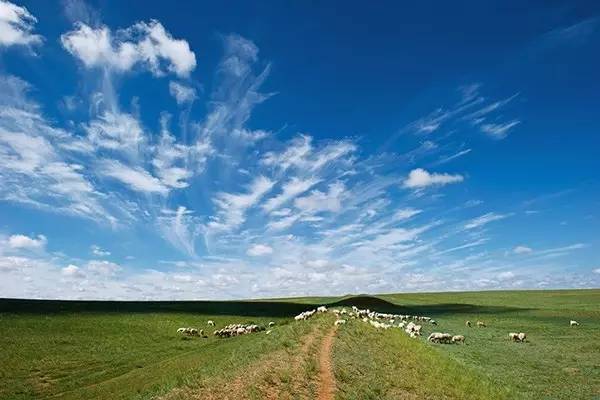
x=522, y=250
x=26, y=242
x=420, y=178
x=72, y=271
x=258, y=250
x=16, y=26
x=145, y=43
x=183, y=94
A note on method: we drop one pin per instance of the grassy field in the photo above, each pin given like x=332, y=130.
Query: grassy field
x=111, y=350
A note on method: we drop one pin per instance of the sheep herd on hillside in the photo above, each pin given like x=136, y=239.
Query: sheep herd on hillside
x=412, y=325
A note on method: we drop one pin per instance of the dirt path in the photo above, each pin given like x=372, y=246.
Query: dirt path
x=326, y=378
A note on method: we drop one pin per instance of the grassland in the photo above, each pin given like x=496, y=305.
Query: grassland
x=104, y=350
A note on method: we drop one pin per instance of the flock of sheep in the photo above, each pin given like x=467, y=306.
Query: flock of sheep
x=227, y=331
x=406, y=322
x=376, y=319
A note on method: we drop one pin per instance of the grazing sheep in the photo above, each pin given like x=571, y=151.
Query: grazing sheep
x=339, y=322
x=481, y=324
x=468, y=324
x=522, y=337
x=211, y=323
x=574, y=323
x=434, y=337
x=458, y=339
x=271, y=324
x=181, y=330
x=433, y=322
x=513, y=336
x=236, y=330
x=438, y=337
x=321, y=309
x=305, y=315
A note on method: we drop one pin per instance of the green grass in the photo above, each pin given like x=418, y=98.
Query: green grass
x=113, y=350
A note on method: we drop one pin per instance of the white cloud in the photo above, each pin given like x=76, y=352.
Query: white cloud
x=522, y=250
x=116, y=131
x=71, y=271
x=290, y=190
x=506, y=275
x=103, y=267
x=180, y=228
x=258, y=250
x=98, y=251
x=135, y=178
x=318, y=201
x=484, y=220
x=26, y=242
x=183, y=94
x=499, y=131
x=300, y=154
x=420, y=178
x=16, y=25
x=405, y=213
x=596, y=271
x=232, y=207
x=147, y=44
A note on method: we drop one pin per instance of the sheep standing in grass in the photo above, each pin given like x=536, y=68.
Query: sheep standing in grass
x=574, y=323
x=339, y=322
x=468, y=324
x=271, y=324
x=181, y=330
x=458, y=339
x=211, y=323
x=522, y=337
x=481, y=324
x=513, y=336
x=322, y=309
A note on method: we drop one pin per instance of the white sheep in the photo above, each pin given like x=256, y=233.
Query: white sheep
x=513, y=336
x=522, y=337
x=458, y=339
x=574, y=323
x=211, y=323
x=339, y=322
x=181, y=330
x=322, y=309
x=271, y=324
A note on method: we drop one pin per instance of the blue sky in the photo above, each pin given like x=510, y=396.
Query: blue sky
x=204, y=151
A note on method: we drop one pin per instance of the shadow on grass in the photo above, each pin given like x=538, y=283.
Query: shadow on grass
x=378, y=304
x=258, y=308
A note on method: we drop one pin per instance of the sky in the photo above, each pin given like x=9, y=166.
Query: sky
x=221, y=150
